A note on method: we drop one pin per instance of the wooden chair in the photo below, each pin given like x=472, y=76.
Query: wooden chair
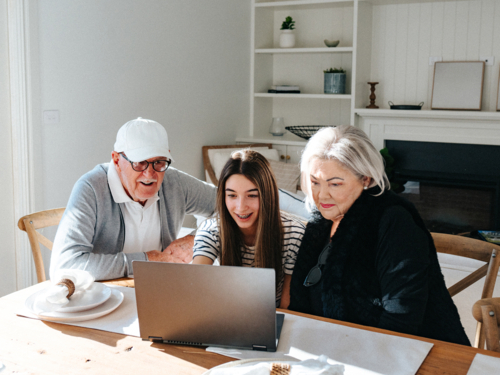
x=474, y=249
x=29, y=224
x=487, y=312
x=208, y=151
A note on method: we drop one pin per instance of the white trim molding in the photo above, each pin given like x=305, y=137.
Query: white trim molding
x=22, y=145
x=468, y=127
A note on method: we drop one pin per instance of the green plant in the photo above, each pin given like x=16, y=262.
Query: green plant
x=288, y=24
x=396, y=185
x=334, y=70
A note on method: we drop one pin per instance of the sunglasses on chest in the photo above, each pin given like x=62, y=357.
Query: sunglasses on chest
x=314, y=275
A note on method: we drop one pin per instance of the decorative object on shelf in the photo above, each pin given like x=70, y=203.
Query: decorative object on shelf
x=331, y=43
x=305, y=131
x=458, y=85
x=284, y=89
x=405, y=106
x=287, y=37
x=277, y=126
x=372, y=95
x=334, y=81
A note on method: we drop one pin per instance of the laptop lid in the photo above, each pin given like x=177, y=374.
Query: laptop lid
x=191, y=304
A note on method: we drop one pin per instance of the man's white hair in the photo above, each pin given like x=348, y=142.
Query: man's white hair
x=352, y=148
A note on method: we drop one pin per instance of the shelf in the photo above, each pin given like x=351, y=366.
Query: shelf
x=288, y=139
x=304, y=50
x=434, y=114
x=303, y=96
x=300, y=3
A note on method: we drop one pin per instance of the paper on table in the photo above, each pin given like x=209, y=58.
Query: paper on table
x=123, y=320
x=484, y=364
x=263, y=367
x=362, y=352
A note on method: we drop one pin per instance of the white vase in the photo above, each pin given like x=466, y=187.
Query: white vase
x=287, y=39
x=277, y=126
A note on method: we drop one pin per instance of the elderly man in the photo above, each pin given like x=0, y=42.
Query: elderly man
x=130, y=209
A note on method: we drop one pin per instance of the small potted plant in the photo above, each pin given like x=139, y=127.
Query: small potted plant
x=287, y=37
x=335, y=81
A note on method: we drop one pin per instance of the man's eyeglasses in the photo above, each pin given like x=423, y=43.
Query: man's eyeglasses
x=140, y=166
x=314, y=275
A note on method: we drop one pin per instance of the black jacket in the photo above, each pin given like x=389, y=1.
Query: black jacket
x=382, y=270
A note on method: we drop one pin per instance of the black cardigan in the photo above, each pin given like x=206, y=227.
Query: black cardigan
x=382, y=270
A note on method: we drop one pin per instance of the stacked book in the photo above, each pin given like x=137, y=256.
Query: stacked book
x=284, y=89
x=490, y=236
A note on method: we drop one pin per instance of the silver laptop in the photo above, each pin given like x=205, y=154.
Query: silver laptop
x=231, y=307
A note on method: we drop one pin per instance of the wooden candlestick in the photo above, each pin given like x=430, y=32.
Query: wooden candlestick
x=372, y=96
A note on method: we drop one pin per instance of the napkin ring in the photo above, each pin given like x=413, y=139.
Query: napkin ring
x=280, y=369
x=68, y=284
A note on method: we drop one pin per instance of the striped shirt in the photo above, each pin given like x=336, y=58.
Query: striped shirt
x=207, y=243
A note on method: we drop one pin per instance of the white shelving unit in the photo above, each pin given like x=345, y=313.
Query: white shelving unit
x=315, y=20
x=302, y=96
x=304, y=50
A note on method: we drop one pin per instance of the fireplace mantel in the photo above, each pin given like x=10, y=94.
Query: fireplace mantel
x=467, y=127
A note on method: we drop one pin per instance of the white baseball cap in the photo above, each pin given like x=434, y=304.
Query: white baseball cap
x=142, y=139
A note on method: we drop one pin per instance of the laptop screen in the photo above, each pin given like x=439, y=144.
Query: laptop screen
x=206, y=305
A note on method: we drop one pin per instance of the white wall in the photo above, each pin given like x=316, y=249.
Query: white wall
x=183, y=63
x=405, y=35
x=7, y=220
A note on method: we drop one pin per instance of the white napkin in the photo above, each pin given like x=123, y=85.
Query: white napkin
x=55, y=296
x=318, y=366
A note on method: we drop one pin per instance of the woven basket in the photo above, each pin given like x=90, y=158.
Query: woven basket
x=305, y=131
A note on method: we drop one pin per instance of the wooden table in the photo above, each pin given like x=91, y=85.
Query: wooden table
x=36, y=347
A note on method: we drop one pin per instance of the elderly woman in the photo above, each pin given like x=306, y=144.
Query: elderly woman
x=366, y=256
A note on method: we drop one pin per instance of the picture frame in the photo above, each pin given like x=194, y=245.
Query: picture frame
x=458, y=85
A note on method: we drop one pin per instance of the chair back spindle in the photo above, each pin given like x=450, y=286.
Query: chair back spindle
x=473, y=249
x=30, y=224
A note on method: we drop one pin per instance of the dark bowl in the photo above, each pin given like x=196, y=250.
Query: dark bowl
x=406, y=106
x=305, y=131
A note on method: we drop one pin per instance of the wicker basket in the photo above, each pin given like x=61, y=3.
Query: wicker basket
x=305, y=131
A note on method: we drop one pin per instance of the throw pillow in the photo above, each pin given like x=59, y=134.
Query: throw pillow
x=287, y=175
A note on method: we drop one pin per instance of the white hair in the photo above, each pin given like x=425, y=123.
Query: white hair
x=352, y=148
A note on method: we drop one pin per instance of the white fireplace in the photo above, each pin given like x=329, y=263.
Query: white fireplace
x=456, y=158
x=467, y=127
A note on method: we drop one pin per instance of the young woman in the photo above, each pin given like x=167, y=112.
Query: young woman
x=249, y=229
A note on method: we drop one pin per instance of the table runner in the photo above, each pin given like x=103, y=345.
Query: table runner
x=123, y=320
x=484, y=364
x=362, y=352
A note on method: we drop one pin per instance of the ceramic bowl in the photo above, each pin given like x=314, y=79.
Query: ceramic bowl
x=331, y=43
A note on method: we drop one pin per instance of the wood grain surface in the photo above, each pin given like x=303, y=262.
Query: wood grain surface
x=35, y=347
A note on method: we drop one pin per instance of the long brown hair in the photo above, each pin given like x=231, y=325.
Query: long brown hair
x=269, y=238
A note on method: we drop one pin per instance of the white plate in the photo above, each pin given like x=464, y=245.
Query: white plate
x=95, y=295
x=110, y=305
x=249, y=362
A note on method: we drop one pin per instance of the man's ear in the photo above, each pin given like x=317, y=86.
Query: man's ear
x=115, y=156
